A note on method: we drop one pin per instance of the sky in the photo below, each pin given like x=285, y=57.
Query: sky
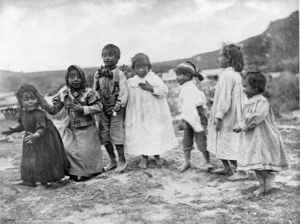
x=40, y=35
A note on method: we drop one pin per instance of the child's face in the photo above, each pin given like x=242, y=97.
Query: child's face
x=141, y=68
x=109, y=58
x=248, y=90
x=74, y=79
x=182, y=78
x=223, y=60
x=29, y=101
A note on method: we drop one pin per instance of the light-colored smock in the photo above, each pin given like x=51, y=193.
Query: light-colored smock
x=261, y=146
x=227, y=106
x=148, y=122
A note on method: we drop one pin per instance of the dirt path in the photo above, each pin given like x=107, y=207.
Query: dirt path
x=155, y=195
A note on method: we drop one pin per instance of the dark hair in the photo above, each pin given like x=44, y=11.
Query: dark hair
x=187, y=71
x=25, y=89
x=256, y=80
x=81, y=74
x=140, y=57
x=113, y=48
x=235, y=55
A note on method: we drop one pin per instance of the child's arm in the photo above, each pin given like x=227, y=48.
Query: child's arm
x=203, y=118
x=256, y=117
x=32, y=137
x=51, y=109
x=18, y=128
x=94, y=104
x=123, y=92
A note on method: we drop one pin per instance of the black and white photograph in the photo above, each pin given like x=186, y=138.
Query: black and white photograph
x=149, y=112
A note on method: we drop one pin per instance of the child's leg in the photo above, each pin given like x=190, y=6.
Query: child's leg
x=270, y=178
x=241, y=175
x=188, y=145
x=201, y=141
x=159, y=161
x=143, y=164
x=122, y=161
x=227, y=169
x=261, y=180
x=113, y=163
x=187, y=161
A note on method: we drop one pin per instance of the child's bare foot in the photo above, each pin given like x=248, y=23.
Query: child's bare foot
x=121, y=167
x=269, y=185
x=42, y=186
x=239, y=176
x=184, y=167
x=112, y=165
x=259, y=191
x=159, y=161
x=208, y=167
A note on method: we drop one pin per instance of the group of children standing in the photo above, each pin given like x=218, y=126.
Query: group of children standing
x=133, y=116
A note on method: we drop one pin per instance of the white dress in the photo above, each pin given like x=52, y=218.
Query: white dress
x=261, y=146
x=227, y=105
x=148, y=122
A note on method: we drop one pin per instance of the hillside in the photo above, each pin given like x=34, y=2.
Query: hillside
x=277, y=46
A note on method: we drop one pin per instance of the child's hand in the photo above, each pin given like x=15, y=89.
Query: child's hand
x=218, y=124
x=146, y=86
x=76, y=107
x=8, y=132
x=237, y=129
x=31, y=137
x=117, y=107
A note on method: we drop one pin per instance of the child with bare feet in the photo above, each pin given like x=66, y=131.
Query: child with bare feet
x=192, y=105
x=111, y=83
x=44, y=158
x=148, y=123
x=261, y=148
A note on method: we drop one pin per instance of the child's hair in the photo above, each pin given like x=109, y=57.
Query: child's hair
x=188, y=68
x=25, y=89
x=81, y=74
x=235, y=55
x=256, y=80
x=141, y=57
x=114, y=49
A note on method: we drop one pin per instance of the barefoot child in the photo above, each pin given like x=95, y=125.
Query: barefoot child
x=43, y=155
x=111, y=83
x=261, y=148
x=148, y=122
x=227, y=110
x=192, y=105
x=80, y=135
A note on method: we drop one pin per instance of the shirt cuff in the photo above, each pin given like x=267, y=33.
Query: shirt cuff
x=86, y=110
x=219, y=115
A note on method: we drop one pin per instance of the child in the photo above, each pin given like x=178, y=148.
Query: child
x=227, y=110
x=80, y=135
x=43, y=155
x=148, y=122
x=192, y=105
x=111, y=83
x=261, y=148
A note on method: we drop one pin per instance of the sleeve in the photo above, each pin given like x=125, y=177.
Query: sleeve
x=200, y=99
x=94, y=104
x=256, y=117
x=225, y=96
x=41, y=123
x=123, y=92
x=159, y=88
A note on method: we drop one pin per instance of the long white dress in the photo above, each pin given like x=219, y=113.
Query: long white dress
x=228, y=103
x=261, y=146
x=148, y=122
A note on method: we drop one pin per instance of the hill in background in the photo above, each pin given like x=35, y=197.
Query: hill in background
x=277, y=47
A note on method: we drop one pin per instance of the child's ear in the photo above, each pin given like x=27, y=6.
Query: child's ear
x=228, y=58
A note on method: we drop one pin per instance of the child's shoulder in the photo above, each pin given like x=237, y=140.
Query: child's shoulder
x=39, y=113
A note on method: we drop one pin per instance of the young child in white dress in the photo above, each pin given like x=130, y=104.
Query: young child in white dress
x=192, y=105
x=261, y=148
x=148, y=122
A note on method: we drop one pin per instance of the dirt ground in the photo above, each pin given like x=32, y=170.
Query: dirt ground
x=155, y=195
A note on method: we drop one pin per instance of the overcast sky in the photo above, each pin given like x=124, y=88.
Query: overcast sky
x=42, y=35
